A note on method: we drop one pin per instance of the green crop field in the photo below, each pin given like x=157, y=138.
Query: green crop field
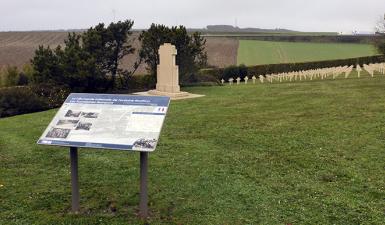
x=291, y=153
x=252, y=52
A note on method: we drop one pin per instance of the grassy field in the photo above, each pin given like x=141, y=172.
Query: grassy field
x=256, y=34
x=290, y=153
x=252, y=52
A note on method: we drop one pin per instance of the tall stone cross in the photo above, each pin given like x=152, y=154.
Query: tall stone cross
x=168, y=75
x=167, y=70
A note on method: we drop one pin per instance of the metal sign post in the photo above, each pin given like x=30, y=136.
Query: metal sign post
x=74, y=179
x=143, y=204
x=75, y=202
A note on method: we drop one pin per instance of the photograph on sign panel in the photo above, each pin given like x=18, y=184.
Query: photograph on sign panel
x=67, y=123
x=83, y=126
x=58, y=133
x=71, y=113
x=91, y=115
x=145, y=143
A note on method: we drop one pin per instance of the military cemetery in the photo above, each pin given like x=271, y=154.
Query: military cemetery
x=143, y=117
x=309, y=75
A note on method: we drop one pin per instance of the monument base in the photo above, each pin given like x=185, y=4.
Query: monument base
x=172, y=95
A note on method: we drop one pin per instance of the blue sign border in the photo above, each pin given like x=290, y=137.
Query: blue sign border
x=85, y=98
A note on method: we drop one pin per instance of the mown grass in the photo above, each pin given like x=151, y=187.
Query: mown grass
x=252, y=52
x=290, y=153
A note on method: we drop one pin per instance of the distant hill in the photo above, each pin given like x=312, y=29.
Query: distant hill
x=229, y=28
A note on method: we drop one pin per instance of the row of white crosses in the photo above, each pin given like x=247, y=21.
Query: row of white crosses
x=324, y=73
x=246, y=79
x=371, y=68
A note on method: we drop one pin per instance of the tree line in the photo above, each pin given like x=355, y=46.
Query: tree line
x=91, y=61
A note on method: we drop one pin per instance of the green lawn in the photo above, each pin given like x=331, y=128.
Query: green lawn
x=290, y=153
x=252, y=52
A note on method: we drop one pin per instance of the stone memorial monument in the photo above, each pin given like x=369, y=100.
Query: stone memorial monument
x=167, y=72
x=254, y=78
x=168, y=75
x=246, y=79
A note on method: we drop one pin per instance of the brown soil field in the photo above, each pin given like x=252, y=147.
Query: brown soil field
x=17, y=48
x=222, y=51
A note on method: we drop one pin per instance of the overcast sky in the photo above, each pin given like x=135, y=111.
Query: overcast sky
x=302, y=15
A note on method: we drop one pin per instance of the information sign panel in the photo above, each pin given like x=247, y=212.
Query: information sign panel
x=123, y=122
